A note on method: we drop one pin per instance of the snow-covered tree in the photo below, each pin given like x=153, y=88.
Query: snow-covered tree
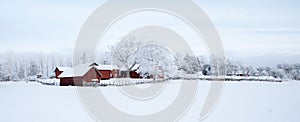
x=277, y=73
x=155, y=60
x=42, y=63
x=123, y=50
x=8, y=65
x=295, y=73
x=287, y=69
x=217, y=65
x=252, y=71
x=22, y=70
x=262, y=71
x=33, y=69
x=231, y=67
x=104, y=58
x=1, y=74
x=192, y=64
x=237, y=68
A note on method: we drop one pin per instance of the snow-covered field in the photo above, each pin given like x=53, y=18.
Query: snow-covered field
x=241, y=102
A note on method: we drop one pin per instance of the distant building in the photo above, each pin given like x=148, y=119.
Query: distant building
x=59, y=70
x=108, y=71
x=132, y=72
x=80, y=74
x=92, y=72
x=6, y=78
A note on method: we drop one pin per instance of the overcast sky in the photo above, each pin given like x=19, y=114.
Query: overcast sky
x=256, y=32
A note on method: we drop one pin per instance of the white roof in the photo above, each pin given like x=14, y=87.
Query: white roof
x=135, y=67
x=79, y=70
x=107, y=67
x=63, y=68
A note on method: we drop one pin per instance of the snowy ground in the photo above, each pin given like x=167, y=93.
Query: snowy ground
x=240, y=102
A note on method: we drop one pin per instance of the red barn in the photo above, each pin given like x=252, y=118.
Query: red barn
x=78, y=75
x=132, y=72
x=108, y=71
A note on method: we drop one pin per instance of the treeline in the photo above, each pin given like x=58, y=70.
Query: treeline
x=18, y=66
x=198, y=64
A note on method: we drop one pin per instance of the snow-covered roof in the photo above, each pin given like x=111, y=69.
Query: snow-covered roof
x=63, y=68
x=107, y=67
x=78, y=70
x=132, y=68
x=135, y=67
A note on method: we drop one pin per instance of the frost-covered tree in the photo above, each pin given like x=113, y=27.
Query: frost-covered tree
x=42, y=63
x=33, y=69
x=156, y=61
x=295, y=73
x=17, y=66
x=104, y=58
x=192, y=64
x=8, y=65
x=231, y=67
x=287, y=69
x=237, y=68
x=218, y=65
x=47, y=66
x=21, y=71
x=180, y=63
x=262, y=71
x=123, y=50
x=1, y=74
x=277, y=73
x=15, y=72
x=252, y=71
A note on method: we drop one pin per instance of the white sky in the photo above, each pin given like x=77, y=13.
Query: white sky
x=260, y=32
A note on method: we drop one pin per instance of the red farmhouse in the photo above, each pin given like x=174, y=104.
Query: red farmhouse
x=78, y=75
